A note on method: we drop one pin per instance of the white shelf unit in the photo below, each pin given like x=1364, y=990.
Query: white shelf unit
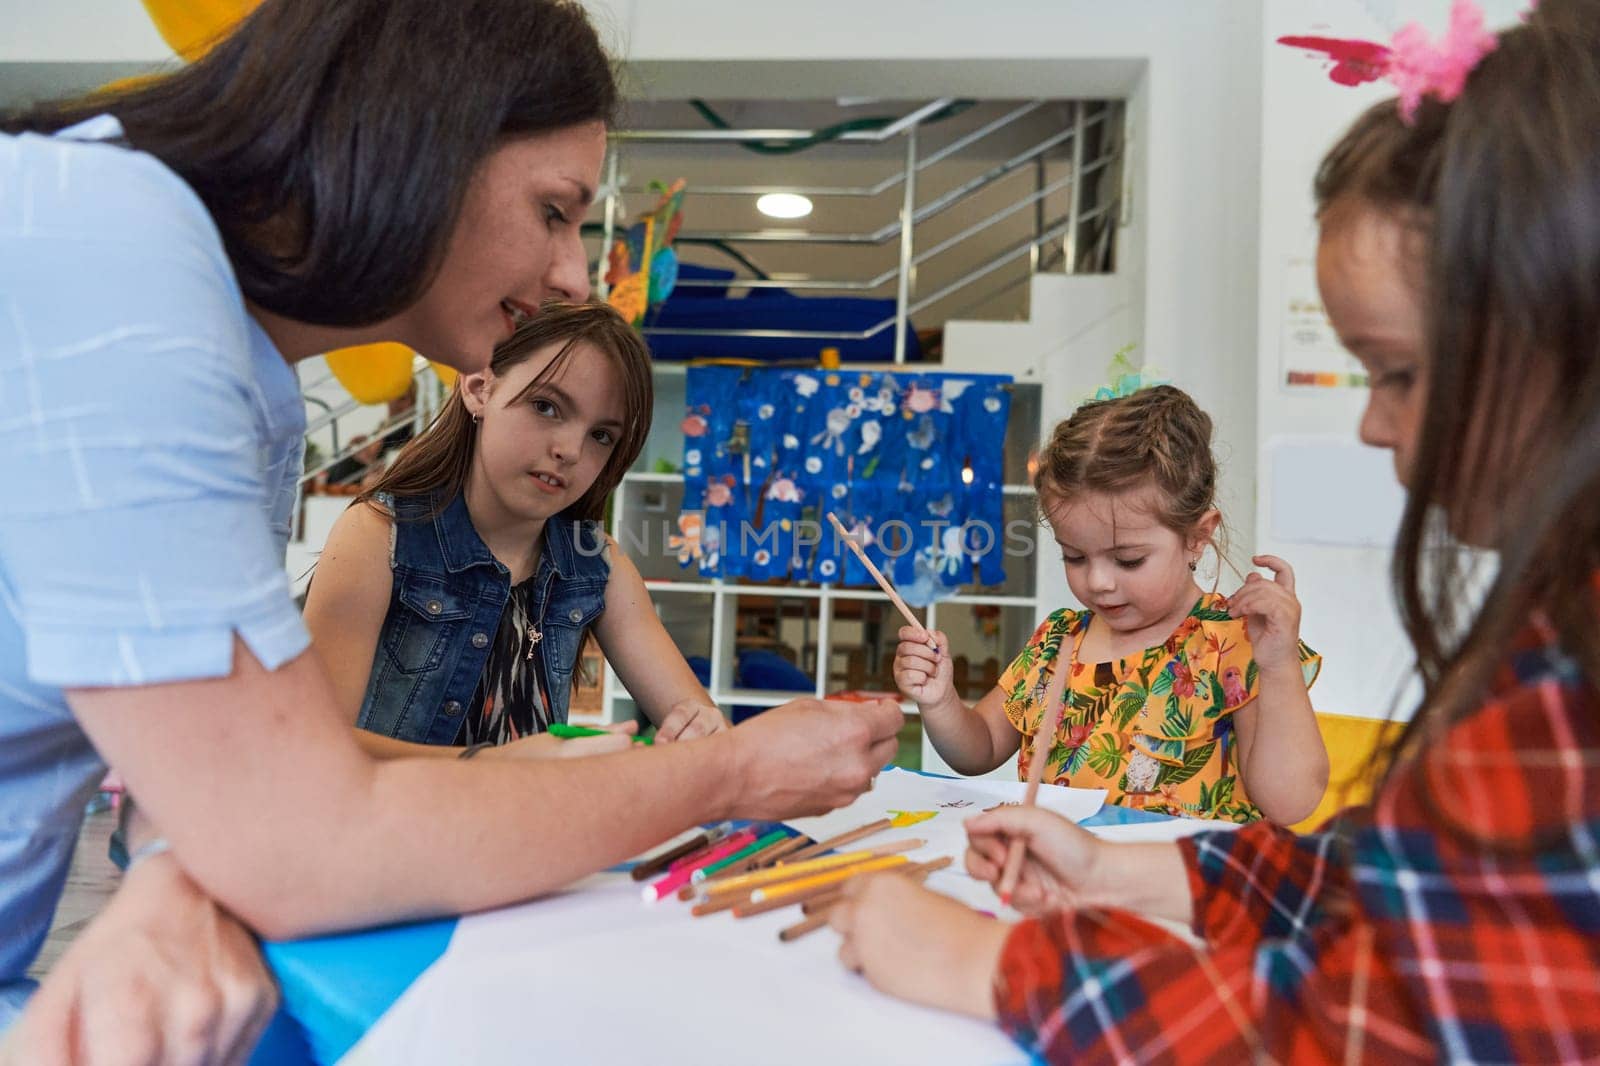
x=704, y=615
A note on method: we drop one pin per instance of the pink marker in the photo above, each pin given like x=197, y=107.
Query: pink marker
x=717, y=833
x=679, y=877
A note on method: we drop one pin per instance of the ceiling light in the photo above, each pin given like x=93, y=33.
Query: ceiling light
x=784, y=205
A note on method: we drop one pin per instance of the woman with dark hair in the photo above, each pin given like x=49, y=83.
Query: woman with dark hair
x=332, y=174
x=1458, y=917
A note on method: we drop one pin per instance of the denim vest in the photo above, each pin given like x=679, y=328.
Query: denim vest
x=445, y=607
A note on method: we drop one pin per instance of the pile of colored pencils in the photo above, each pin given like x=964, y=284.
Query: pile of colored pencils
x=748, y=873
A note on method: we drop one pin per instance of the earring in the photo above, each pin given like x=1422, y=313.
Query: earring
x=1193, y=563
x=475, y=421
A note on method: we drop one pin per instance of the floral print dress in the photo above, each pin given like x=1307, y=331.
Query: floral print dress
x=1154, y=730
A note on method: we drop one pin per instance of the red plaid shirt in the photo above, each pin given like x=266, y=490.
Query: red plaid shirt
x=1457, y=918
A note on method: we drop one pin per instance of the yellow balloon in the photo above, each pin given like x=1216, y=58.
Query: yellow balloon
x=191, y=27
x=446, y=374
x=373, y=373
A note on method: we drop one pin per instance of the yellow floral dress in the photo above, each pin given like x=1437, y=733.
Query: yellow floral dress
x=1154, y=730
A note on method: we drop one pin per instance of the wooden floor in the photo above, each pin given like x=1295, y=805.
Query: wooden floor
x=90, y=884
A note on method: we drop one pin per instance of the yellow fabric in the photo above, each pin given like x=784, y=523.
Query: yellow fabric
x=190, y=27
x=1352, y=742
x=1154, y=730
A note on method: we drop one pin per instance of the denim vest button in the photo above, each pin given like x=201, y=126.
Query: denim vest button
x=575, y=616
x=452, y=708
x=434, y=606
x=480, y=640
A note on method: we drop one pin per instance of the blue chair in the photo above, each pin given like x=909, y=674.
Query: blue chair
x=769, y=671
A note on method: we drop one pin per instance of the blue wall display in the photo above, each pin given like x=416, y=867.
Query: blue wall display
x=911, y=463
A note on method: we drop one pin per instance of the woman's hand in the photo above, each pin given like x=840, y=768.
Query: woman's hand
x=919, y=945
x=920, y=672
x=1059, y=865
x=163, y=976
x=1271, y=613
x=689, y=719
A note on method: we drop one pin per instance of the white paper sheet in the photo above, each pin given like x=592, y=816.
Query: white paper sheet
x=596, y=976
x=946, y=803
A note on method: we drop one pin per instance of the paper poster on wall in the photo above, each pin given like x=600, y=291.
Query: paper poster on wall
x=1309, y=351
x=1333, y=490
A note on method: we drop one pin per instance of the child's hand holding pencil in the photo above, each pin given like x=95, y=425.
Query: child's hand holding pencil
x=921, y=671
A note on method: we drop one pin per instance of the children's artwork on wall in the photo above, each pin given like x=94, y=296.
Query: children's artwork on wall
x=911, y=463
x=641, y=266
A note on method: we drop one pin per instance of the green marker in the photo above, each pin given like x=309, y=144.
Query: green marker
x=743, y=853
x=568, y=732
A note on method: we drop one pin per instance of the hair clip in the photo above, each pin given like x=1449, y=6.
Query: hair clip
x=1415, y=65
x=1126, y=379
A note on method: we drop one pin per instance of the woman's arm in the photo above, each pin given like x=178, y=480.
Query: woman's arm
x=274, y=811
x=648, y=662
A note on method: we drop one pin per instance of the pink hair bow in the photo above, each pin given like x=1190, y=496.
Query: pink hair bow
x=1414, y=64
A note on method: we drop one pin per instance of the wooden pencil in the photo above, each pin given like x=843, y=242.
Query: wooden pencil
x=816, y=910
x=749, y=882
x=655, y=863
x=715, y=904
x=843, y=838
x=788, y=893
x=1043, y=741
x=877, y=575
x=761, y=858
x=733, y=869
x=782, y=852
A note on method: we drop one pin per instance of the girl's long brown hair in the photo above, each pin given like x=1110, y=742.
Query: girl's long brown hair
x=435, y=464
x=1502, y=186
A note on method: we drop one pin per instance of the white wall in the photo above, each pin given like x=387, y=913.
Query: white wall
x=78, y=31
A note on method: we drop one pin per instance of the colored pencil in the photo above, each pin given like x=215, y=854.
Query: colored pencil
x=778, y=874
x=843, y=838
x=789, y=893
x=1043, y=741
x=716, y=902
x=781, y=852
x=816, y=910
x=877, y=575
x=745, y=852
x=759, y=860
x=679, y=876
x=732, y=861
x=660, y=861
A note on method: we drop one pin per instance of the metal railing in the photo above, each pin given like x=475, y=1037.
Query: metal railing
x=902, y=229
x=1061, y=236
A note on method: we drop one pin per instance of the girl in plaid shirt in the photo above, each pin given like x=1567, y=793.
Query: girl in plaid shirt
x=1458, y=917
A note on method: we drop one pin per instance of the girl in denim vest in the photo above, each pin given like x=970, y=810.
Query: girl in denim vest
x=452, y=601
